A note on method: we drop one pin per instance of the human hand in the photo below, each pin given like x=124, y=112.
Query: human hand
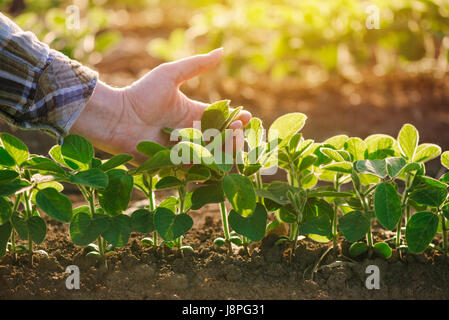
x=116, y=120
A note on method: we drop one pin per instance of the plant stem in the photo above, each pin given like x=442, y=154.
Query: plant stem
x=90, y=197
x=444, y=231
x=334, y=221
x=369, y=236
x=403, y=206
x=29, y=213
x=182, y=196
x=152, y=203
x=293, y=228
x=224, y=219
x=13, y=231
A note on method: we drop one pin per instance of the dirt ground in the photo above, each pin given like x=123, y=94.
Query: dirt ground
x=338, y=106
x=138, y=272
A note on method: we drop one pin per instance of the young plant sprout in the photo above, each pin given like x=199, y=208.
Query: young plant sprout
x=335, y=191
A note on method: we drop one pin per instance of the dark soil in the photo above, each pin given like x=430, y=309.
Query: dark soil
x=138, y=272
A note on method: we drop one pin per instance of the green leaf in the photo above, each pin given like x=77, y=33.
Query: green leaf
x=383, y=249
x=254, y=133
x=191, y=135
x=55, y=154
x=116, y=196
x=426, y=152
x=445, y=178
x=7, y=176
x=77, y=152
x=286, y=126
x=149, y=148
x=197, y=173
x=5, y=233
x=395, y=166
x=214, y=117
x=276, y=191
x=191, y=153
x=158, y=161
x=343, y=167
x=116, y=161
x=374, y=167
x=307, y=162
x=320, y=225
x=326, y=193
x=356, y=147
x=169, y=203
x=428, y=195
x=5, y=159
x=37, y=229
x=240, y=192
x=168, y=183
x=251, y=169
x=354, y=225
x=357, y=248
x=147, y=242
x=387, y=205
x=294, y=142
x=420, y=230
x=171, y=226
x=118, y=230
x=333, y=154
x=13, y=187
x=142, y=221
x=20, y=225
x=337, y=142
x=379, y=146
x=95, y=163
x=5, y=210
x=43, y=164
x=85, y=230
x=233, y=115
x=56, y=205
x=16, y=148
x=445, y=159
x=252, y=226
x=408, y=139
x=212, y=193
x=286, y=214
x=94, y=178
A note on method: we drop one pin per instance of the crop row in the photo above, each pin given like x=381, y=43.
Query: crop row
x=334, y=189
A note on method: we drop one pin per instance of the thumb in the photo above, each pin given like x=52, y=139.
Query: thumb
x=190, y=67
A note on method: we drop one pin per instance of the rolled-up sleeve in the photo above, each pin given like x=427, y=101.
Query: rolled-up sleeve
x=40, y=88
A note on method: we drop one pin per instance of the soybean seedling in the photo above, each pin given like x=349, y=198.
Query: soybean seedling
x=101, y=220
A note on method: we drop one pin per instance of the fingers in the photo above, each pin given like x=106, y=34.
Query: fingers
x=190, y=67
x=244, y=116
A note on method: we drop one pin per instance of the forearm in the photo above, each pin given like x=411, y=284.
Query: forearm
x=40, y=88
x=100, y=116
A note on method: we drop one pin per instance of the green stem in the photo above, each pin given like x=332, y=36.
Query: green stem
x=444, y=231
x=13, y=231
x=182, y=197
x=334, y=221
x=369, y=236
x=27, y=200
x=403, y=206
x=152, y=203
x=91, y=200
x=90, y=197
x=293, y=229
x=224, y=220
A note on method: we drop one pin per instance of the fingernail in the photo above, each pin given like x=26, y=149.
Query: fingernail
x=221, y=49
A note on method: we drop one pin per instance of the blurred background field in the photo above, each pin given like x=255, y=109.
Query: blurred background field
x=316, y=57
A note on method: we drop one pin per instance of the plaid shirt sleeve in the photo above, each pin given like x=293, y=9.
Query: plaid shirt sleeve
x=40, y=88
